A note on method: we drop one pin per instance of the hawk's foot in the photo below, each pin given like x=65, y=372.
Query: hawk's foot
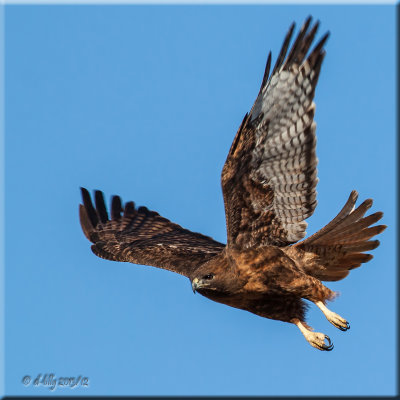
x=335, y=319
x=316, y=339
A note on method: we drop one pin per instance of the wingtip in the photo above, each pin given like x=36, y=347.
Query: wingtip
x=98, y=193
x=309, y=18
x=317, y=24
x=374, y=244
x=369, y=258
x=324, y=38
x=266, y=71
x=290, y=31
x=84, y=191
x=88, y=205
x=353, y=196
x=85, y=221
x=368, y=203
x=100, y=206
x=306, y=23
x=116, y=207
x=381, y=228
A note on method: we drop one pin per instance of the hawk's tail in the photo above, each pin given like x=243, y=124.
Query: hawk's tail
x=339, y=246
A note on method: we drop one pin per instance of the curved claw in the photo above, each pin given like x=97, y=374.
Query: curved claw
x=330, y=345
x=315, y=339
x=335, y=319
x=342, y=328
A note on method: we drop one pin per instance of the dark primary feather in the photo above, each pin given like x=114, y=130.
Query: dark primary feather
x=269, y=179
x=284, y=49
x=141, y=236
x=299, y=42
x=266, y=72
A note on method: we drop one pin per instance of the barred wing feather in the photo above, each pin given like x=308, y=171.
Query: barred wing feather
x=141, y=236
x=270, y=174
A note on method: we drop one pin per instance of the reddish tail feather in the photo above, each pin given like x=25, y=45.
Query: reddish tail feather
x=339, y=247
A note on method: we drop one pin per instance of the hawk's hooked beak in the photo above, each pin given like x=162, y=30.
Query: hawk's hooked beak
x=195, y=284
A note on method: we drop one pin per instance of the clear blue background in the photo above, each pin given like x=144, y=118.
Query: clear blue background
x=144, y=102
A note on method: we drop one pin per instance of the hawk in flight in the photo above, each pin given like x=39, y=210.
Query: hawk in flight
x=268, y=183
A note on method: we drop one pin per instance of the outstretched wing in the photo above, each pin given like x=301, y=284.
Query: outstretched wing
x=141, y=236
x=270, y=174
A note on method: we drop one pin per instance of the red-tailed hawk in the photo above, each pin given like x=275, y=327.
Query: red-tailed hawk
x=268, y=184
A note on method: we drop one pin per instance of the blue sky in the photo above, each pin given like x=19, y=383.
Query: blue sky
x=144, y=101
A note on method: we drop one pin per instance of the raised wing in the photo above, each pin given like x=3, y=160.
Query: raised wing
x=270, y=174
x=141, y=236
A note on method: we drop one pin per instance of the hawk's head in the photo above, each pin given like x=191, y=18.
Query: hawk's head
x=215, y=279
x=204, y=282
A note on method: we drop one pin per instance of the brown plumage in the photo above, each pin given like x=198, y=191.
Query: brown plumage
x=268, y=183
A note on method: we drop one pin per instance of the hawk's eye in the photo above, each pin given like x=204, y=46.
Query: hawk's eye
x=208, y=276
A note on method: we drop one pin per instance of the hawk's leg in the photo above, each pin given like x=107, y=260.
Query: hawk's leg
x=335, y=319
x=293, y=309
x=316, y=339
